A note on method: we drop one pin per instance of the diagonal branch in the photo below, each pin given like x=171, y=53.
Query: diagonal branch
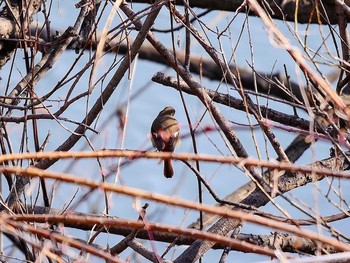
x=97, y=107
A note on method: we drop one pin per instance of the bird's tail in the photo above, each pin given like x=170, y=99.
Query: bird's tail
x=168, y=169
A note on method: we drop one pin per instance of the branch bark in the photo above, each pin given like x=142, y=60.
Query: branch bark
x=305, y=12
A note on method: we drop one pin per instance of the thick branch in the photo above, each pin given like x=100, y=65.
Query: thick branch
x=230, y=101
x=252, y=195
x=285, y=242
x=306, y=12
x=275, y=84
x=12, y=26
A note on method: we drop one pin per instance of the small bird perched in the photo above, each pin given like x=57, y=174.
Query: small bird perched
x=165, y=132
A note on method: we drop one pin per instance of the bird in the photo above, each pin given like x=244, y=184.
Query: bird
x=165, y=131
